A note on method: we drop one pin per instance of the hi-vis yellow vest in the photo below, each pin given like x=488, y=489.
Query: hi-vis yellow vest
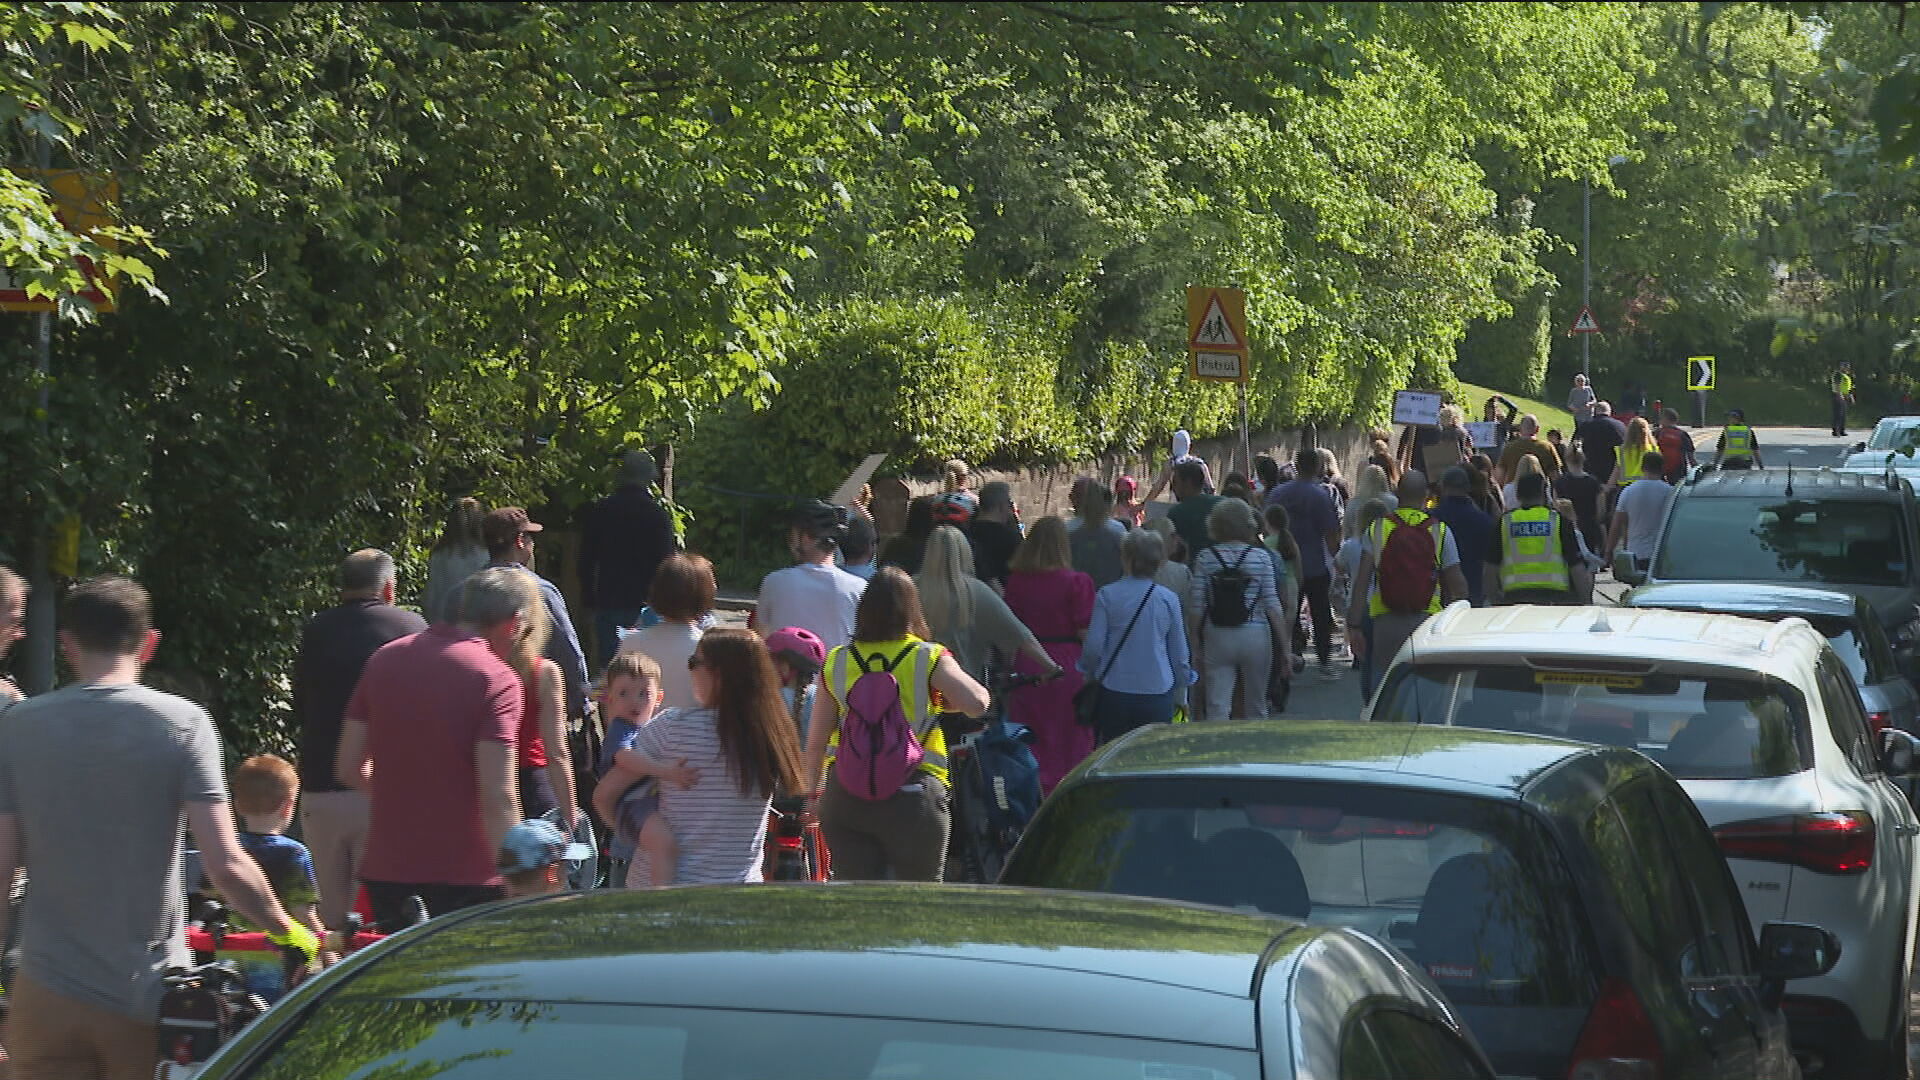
x=1739, y=440
x=1530, y=555
x=1633, y=461
x=844, y=666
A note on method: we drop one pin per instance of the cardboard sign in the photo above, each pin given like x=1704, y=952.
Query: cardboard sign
x=1416, y=407
x=1484, y=433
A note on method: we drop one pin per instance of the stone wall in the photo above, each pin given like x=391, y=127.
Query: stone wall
x=1043, y=490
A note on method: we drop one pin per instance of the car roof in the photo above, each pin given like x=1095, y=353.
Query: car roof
x=1612, y=633
x=1748, y=599
x=1460, y=760
x=1807, y=483
x=1030, y=957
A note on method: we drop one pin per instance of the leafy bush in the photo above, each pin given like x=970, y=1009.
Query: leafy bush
x=1511, y=352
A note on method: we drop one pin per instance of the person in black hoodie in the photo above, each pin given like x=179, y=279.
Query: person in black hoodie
x=626, y=535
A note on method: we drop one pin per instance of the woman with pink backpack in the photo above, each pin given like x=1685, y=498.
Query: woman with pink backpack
x=875, y=738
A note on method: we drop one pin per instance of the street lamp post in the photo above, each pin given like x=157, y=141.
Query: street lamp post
x=1586, y=271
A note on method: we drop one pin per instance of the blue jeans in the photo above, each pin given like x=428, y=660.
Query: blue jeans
x=1121, y=713
x=606, y=633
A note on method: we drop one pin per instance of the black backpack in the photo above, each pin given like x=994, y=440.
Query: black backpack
x=1227, y=603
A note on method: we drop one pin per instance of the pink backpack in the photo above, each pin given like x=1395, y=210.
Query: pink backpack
x=879, y=752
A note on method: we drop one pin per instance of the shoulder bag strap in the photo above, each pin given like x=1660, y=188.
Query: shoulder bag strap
x=1118, y=645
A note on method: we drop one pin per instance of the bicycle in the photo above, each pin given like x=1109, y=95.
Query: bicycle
x=995, y=787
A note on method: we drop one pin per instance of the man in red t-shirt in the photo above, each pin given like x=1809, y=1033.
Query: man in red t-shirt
x=430, y=735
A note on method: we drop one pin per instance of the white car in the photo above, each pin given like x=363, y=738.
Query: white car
x=1763, y=727
x=1882, y=447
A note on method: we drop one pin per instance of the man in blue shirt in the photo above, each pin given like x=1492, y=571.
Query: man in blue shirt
x=1472, y=529
x=509, y=535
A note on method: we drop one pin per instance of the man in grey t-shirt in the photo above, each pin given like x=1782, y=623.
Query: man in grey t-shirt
x=96, y=780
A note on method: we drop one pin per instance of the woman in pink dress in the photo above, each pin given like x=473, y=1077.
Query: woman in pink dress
x=1056, y=603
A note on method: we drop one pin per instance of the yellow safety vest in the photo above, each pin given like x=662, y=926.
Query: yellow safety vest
x=1843, y=384
x=1633, y=461
x=1739, y=440
x=1530, y=555
x=844, y=666
x=1381, y=531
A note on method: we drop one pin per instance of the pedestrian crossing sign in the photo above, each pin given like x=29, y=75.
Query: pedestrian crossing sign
x=1217, y=334
x=1700, y=372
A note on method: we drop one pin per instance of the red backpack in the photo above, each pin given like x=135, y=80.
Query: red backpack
x=1408, y=569
x=1673, y=452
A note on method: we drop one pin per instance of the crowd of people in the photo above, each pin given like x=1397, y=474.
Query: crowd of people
x=445, y=757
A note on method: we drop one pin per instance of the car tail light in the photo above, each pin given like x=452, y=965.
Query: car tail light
x=1618, y=1041
x=1835, y=843
x=1879, y=722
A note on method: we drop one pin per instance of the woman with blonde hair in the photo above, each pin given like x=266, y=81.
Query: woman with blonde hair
x=1639, y=444
x=964, y=613
x=1233, y=631
x=1373, y=484
x=1055, y=601
x=458, y=554
x=545, y=762
x=1528, y=465
x=1443, y=447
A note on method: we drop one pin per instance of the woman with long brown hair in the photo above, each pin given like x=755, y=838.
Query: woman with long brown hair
x=904, y=832
x=545, y=763
x=723, y=762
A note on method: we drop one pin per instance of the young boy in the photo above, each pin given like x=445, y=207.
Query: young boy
x=798, y=655
x=531, y=857
x=630, y=692
x=265, y=790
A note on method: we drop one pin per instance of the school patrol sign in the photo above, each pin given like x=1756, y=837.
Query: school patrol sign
x=1217, y=334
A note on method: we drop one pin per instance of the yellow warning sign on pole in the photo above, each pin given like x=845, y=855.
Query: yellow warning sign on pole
x=1217, y=334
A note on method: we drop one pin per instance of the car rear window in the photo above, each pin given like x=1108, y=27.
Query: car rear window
x=386, y=1039
x=1837, y=541
x=1472, y=890
x=1698, y=727
x=1891, y=435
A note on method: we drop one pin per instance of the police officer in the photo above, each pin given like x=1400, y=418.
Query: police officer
x=1739, y=448
x=1842, y=387
x=1535, y=557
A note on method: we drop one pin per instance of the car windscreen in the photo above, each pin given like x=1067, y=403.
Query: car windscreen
x=1473, y=890
x=1891, y=435
x=378, y=1039
x=1698, y=727
x=1775, y=538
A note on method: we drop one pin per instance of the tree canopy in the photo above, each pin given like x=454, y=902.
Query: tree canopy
x=373, y=257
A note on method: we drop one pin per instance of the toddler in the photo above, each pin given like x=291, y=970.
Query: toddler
x=533, y=856
x=630, y=694
x=798, y=654
x=265, y=790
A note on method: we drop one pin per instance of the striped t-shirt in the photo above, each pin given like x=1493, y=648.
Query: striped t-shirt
x=719, y=830
x=1250, y=559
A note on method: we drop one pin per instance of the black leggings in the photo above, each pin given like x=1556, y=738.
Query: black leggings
x=1313, y=590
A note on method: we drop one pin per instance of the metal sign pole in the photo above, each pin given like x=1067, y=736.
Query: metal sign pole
x=1586, y=271
x=1246, y=440
x=41, y=603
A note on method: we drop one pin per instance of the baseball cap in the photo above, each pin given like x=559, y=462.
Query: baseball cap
x=537, y=843
x=502, y=524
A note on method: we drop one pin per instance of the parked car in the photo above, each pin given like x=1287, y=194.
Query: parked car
x=1567, y=898
x=808, y=982
x=1847, y=622
x=1851, y=532
x=1883, y=446
x=1762, y=725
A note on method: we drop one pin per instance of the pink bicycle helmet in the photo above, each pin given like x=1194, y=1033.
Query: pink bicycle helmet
x=803, y=645
x=954, y=508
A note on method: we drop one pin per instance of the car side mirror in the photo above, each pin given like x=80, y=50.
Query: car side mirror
x=1795, y=951
x=1625, y=570
x=1860, y=447
x=1899, y=753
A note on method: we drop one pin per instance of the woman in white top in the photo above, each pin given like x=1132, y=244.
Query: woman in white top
x=682, y=595
x=456, y=556
x=722, y=762
x=965, y=614
x=1240, y=651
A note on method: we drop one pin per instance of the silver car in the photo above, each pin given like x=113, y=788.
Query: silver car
x=1882, y=448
